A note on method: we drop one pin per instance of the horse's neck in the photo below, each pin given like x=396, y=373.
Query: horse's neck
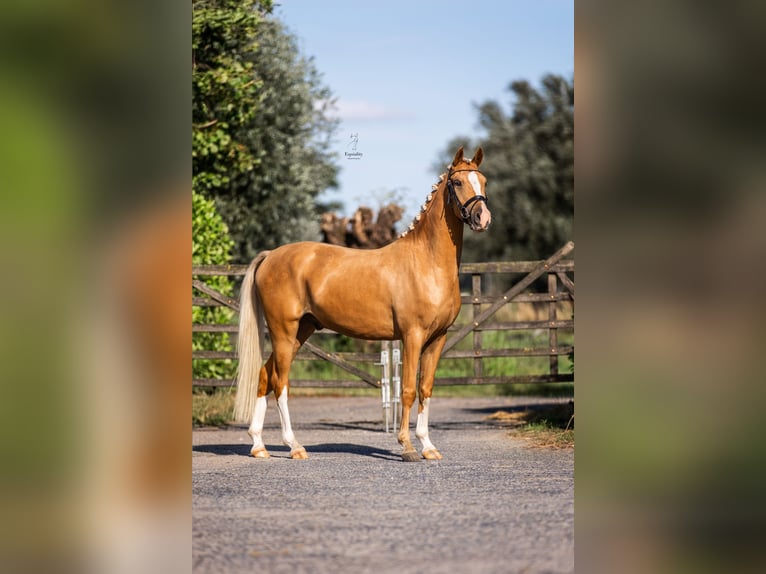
x=440, y=233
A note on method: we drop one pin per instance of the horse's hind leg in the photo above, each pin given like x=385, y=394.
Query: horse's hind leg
x=255, y=431
x=285, y=350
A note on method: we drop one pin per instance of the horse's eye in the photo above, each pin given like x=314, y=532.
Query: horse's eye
x=457, y=182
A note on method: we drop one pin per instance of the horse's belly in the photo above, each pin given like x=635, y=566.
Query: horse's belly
x=368, y=321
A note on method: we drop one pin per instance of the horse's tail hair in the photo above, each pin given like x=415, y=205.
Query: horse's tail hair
x=250, y=344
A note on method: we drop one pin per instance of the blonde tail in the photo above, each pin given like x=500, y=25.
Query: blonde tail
x=249, y=344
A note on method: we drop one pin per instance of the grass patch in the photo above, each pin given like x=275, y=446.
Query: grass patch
x=212, y=407
x=541, y=435
x=547, y=426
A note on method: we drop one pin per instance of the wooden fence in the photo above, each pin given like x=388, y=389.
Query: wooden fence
x=481, y=313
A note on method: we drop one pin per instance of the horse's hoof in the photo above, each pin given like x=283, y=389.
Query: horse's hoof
x=432, y=454
x=259, y=452
x=299, y=454
x=410, y=456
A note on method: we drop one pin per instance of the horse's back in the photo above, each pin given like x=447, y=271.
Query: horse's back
x=309, y=260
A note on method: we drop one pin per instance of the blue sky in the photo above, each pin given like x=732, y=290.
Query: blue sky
x=408, y=75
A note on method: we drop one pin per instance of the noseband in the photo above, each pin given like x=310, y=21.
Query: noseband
x=464, y=208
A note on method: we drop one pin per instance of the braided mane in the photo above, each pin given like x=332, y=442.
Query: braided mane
x=424, y=207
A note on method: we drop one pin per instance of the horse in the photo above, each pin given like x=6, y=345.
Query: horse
x=407, y=290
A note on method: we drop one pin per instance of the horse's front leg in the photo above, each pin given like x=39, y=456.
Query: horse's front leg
x=428, y=362
x=412, y=347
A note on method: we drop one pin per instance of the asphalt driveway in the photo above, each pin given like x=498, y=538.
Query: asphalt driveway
x=491, y=505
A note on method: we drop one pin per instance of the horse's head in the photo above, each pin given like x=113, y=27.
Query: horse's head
x=465, y=186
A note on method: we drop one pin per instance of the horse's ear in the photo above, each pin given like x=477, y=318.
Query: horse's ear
x=458, y=156
x=478, y=156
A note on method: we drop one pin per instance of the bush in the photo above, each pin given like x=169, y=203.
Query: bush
x=211, y=245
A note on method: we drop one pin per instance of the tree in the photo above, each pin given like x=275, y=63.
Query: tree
x=276, y=201
x=529, y=164
x=211, y=245
x=281, y=159
x=225, y=94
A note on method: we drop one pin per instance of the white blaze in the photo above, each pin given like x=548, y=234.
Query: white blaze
x=474, y=180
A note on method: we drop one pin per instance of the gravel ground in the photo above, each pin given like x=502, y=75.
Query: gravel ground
x=491, y=505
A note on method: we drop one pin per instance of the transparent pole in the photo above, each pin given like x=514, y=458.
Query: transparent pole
x=385, y=382
x=396, y=360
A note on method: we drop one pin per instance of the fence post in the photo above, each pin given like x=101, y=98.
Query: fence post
x=553, y=338
x=477, y=336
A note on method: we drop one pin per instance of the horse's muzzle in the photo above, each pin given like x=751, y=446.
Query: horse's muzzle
x=480, y=218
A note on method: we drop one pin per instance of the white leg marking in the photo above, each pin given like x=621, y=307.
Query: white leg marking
x=474, y=181
x=256, y=426
x=421, y=431
x=287, y=430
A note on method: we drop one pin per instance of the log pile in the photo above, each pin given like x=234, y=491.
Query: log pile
x=359, y=230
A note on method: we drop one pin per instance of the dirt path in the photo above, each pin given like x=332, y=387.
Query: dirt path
x=491, y=505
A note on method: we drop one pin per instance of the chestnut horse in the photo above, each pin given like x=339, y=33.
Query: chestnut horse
x=406, y=290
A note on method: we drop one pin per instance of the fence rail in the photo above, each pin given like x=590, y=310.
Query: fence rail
x=479, y=306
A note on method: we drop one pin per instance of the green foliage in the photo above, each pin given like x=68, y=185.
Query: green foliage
x=211, y=245
x=212, y=407
x=225, y=95
x=262, y=135
x=530, y=172
x=275, y=203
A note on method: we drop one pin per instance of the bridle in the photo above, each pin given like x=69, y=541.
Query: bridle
x=464, y=208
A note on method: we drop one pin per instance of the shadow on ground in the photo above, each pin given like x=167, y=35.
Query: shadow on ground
x=347, y=448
